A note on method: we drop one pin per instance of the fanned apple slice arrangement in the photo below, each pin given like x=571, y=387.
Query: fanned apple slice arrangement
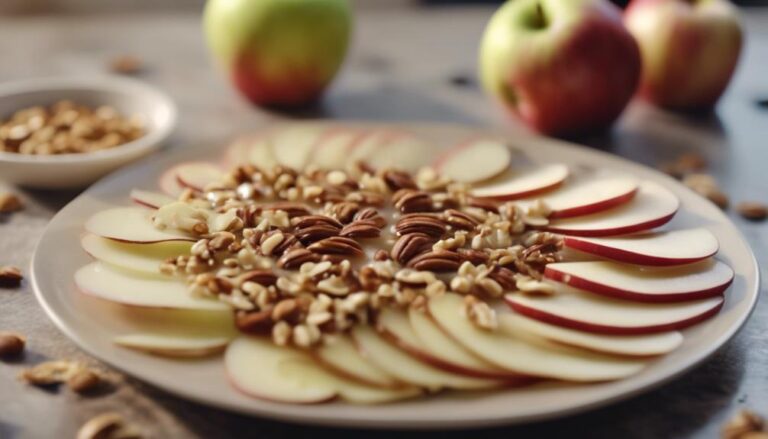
x=349, y=263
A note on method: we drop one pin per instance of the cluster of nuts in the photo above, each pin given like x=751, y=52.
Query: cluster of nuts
x=288, y=250
x=65, y=127
x=690, y=169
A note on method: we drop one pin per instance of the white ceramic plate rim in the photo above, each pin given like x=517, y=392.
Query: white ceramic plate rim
x=152, y=139
x=454, y=410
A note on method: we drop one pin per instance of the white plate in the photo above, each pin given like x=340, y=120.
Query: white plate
x=92, y=324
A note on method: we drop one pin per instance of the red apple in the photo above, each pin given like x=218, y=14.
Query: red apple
x=564, y=66
x=689, y=48
x=279, y=52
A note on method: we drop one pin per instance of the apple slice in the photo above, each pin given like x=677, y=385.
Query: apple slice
x=142, y=258
x=652, y=206
x=256, y=150
x=100, y=280
x=588, y=196
x=475, y=160
x=333, y=148
x=368, y=142
x=407, y=368
x=169, y=184
x=433, y=346
x=645, y=284
x=131, y=224
x=646, y=345
x=198, y=175
x=173, y=345
x=675, y=247
x=340, y=355
x=583, y=311
x=153, y=200
x=519, y=354
x=258, y=368
x=520, y=183
x=405, y=151
x=292, y=145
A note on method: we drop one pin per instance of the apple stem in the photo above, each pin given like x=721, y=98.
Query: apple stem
x=541, y=19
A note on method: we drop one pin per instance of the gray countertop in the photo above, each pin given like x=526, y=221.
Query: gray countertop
x=400, y=69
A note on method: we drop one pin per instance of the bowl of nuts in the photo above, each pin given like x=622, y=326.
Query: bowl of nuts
x=67, y=132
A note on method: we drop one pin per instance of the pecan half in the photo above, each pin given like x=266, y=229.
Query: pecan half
x=337, y=245
x=421, y=223
x=482, y=203
x=397, y=180
x=476, y=257
x=254, y=322
x=436, y=261
x=292, y=209
x=366, y=198
x=410, y=245
x=409, y=200
x=361, y=229
x=293, y=258
x=303, y=222
x=505, y=277
x=345, y=211
x=315, y=233
x=459, y=220
x=369, y=213
x=263, y=277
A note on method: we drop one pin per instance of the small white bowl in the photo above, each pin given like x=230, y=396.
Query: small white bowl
x=127, y=96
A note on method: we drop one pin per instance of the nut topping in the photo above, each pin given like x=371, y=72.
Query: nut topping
x=337, y=245
x=10, y=277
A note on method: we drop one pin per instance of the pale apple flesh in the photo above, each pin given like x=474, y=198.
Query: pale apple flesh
x=645, y=345
x=402, y=151
x=646, y=284
x=340, y=355
x=197, y=175
x=131, y=224
x=409, y=369
x=173, y=345
x=259, y=368
x=565, y=68
x=332, y=149
x=520, y=355
x=587, y=196
x=433, y=346
x=652, y=206
x=520, y=183
x=579, y=310
x=139, y=257
x=674, y=247
x=474, y=160
x=102, y=281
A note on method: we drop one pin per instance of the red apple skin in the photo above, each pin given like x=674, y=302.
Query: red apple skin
x=589, y=209
x=611, y=330
x=508, y=378
x=612, y=232
x=579, y=85
x=688, y=57
x=616, y=293
x=627, y=256
x=294, y=88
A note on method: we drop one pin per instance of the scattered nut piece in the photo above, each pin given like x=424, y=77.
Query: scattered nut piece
x=84, y=381
x=10, y=202
x=10, y=277
x=753, y=211
x=706, y=186
x=50, y=372
x=11, y=344
x=744, y=425
x=126, y=65
x=108, y=425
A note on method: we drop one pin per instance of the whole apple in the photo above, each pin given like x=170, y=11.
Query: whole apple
x=689, y=47
x=566, y=67
x=279, y=52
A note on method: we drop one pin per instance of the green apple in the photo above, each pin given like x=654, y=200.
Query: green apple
x=279, y=52
x=564, y=67
x=690, y=49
